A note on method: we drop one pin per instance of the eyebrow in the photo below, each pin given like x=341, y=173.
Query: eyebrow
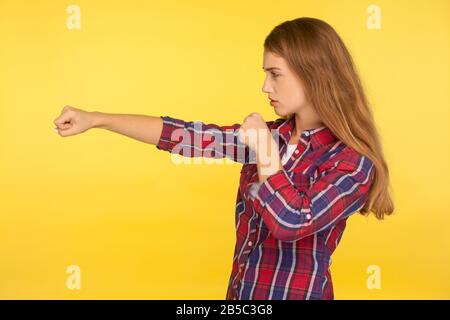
x=271, y=68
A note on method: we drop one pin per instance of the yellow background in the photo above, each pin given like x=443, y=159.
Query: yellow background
x=141, y=227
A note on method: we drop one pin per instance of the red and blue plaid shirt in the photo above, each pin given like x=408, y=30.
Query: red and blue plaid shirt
x=288, y=229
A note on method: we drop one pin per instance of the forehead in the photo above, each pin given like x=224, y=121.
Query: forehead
x=271, y=60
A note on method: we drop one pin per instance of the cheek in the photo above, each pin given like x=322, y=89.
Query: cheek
x=301, y=98
x=290, y=94
x=297, y=95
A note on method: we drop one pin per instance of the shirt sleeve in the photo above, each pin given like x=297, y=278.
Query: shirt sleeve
x=199, y=139
x=338, y=192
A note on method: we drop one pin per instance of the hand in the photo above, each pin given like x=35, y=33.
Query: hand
x=73, y=121
x=254, y=131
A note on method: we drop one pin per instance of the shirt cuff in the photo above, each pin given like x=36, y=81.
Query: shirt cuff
x=165, y=141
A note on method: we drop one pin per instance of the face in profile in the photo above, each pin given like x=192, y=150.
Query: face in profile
x=282, y=85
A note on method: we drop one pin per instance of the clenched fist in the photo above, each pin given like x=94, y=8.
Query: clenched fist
x=73, y=121
x=254, y=131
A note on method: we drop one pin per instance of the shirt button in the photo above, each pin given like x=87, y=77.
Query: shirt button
x=308, y=216
x=250, y=243
x=296, y=151
x=306, y=133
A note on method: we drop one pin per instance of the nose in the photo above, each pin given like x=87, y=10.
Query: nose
x=266, y=88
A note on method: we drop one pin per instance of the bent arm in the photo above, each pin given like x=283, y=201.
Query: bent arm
x=292, y=215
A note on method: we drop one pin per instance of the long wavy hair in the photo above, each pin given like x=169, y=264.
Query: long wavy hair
x=317, y=55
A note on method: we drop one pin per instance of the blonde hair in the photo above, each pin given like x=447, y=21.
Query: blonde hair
x=318, y=56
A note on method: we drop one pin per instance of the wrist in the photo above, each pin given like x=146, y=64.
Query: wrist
x=268, y=161
x=97, y=119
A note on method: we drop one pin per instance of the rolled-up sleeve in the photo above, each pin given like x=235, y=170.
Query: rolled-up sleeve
x=337, y=193
x=199, y=139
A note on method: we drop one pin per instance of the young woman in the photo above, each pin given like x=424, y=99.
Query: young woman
x=303, y=174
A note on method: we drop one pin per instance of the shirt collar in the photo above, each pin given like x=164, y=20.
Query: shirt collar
x=318, y=136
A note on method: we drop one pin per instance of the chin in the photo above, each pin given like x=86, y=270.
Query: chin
x=281, y=113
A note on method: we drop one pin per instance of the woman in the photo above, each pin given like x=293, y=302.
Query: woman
x=303, y=174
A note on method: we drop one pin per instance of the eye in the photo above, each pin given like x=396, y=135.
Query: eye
x=275, y=75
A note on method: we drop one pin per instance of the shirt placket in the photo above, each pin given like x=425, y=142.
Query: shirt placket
x=298, y=151
x=243, y=259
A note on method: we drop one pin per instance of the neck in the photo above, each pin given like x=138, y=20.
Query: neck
x=306, y=121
